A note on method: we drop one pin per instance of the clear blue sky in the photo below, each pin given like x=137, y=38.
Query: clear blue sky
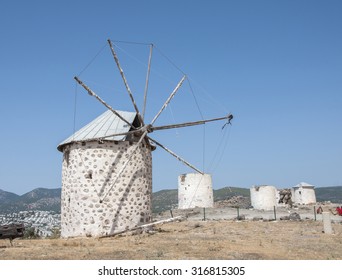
x=276, y=65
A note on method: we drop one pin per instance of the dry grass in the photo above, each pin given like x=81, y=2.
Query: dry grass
x=195, y=240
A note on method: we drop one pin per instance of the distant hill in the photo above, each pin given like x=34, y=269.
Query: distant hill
x=7, y=196
x=228, y=192
x=168, y=199
x=50, y=199
x=37, y=199
x=332, y=194
x=164, y=200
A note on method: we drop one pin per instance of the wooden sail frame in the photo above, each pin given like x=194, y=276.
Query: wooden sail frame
x=144, y=129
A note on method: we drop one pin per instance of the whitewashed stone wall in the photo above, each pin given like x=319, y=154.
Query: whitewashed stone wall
x=91, y=205
x=263, y=197
x=195, y=190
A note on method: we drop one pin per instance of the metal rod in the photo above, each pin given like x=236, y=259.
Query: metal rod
x=92, y=93
x=125, y=80
x=176, y=156
x=171, y=213
x=147, y=80
x=125, y=164
x=153, y=128
x=169, y=99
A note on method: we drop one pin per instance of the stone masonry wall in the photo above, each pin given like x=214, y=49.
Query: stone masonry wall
x=91, y=205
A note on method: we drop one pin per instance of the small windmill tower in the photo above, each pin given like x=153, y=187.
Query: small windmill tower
x=195, y=190
x=107, y=168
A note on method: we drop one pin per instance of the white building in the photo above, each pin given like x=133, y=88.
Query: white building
x=303, y=193
x=95, y=200
x=195, y=190
x=264, y=197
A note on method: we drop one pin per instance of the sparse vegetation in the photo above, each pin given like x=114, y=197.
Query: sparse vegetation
x=55, y=233
x=222, y=239
x=31, y=233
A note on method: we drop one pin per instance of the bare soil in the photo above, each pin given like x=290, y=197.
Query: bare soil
x=193, y=239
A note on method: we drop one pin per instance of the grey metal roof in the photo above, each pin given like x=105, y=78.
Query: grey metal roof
x=106, y=124
x=303, y=184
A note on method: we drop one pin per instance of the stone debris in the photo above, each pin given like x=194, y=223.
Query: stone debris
x=292, y=217
x=285, y=197
x=234, y=201
x=258, y=218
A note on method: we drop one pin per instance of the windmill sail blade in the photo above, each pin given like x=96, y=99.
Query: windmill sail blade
x=176, y=156
x=125, y=81
x=229, y=118
x=169, y=99
x=147, y=80
x=125, y=164
x=103, y=102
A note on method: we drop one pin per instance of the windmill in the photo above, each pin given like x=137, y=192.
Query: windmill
x=107, y=166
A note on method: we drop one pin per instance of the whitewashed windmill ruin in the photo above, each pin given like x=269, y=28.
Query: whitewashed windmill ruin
x=107, y=167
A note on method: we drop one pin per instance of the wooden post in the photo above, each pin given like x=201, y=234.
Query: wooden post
x=171, y=213
x=315, y=213
x=203, y=214
x=275, y=213
x=238, y=212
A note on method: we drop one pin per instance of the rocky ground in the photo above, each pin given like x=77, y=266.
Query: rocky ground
x=219, y=236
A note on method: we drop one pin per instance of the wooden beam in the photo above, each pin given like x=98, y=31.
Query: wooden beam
x=147, y=80
x=178, y=218
x=125, y=82
x=168, y=100
x=153, y=128
x=125, y=164
x=92, y=93
x=176, y=156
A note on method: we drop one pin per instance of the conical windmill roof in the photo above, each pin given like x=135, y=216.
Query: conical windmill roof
x=104, y=125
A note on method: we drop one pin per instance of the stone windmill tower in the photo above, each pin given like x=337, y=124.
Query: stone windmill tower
x=107, y=167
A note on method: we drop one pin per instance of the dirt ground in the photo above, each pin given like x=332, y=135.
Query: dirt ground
x=194, y=239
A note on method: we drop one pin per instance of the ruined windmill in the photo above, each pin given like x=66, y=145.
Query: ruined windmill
x=107, y=167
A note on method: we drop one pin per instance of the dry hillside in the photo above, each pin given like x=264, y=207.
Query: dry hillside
x=194, y=238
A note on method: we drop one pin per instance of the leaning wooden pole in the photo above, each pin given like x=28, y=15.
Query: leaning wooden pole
x=147, y=81
x=153, y=128
x=125, y=81
x=176, y=156
x=125, y=164
x=169, y=99
x=170, y=220
x=90, y=92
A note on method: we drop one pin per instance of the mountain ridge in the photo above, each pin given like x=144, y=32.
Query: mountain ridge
x=45, y=199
